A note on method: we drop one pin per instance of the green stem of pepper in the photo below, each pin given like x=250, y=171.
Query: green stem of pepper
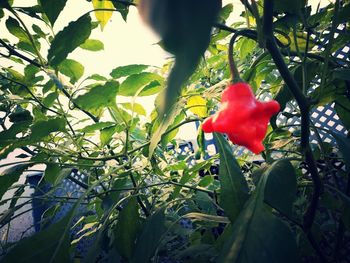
x=235, y=77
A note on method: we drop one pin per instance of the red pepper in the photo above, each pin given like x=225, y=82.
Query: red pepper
x=242, y=117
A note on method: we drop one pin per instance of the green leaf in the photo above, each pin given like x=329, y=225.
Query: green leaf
x=234, y=188
x=150, y=236
x=52, y=8
x=284, y=96
x=177, y=23
x=134, y=84
x=107, y=133
x=20, y=116
x=207, y=218
x=258, y=235
x=10, y=133
x=197, y=105
x=11, y=175
x=38, y=31
x=342, y=107
x=49, y=245
x=43, y=128
x=290, y=6
x=124, y=71
x=97, y=77
x=99, y=96
x=103, y=16
x=226, y=11
x=72, y=36
x=97, y=126
x=15, y=29
x=281, y=187
x=72, y=69
x=92, y=45
x=50, y=99
x=164, y=124
x=343, y=73
x=127, y=228
x=247, y=47
x=51, y=172
x=344, y=147
x=135, y=107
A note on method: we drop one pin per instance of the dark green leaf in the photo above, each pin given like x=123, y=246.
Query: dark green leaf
x=49, y=245
x=289, y=6
x=127, y=228
x=125, y=71
x=38, y=30
x=342, y=73
x=11, y=175
x=122, y=9
x=52, y=8
x=259, y=236
x=99, y=96
x=72, y=69
x=50, y=99
x=92, y=45
x=72, y=36
x=344, y=147
x=281, y=187
x=15, y=29
x=150, y=236
x=20, y=116
x=343, y=15
x=43, y=128
x=226, y=11
x=342, y=107
x=107, y=133
x=134, y=84
x=234, y=188
x=51, y=172
x=97, y=126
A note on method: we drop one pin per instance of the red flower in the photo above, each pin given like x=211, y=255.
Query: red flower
x=242, y=117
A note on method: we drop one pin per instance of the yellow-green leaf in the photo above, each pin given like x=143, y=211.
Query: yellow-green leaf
x=103, y=16
x=197, y=105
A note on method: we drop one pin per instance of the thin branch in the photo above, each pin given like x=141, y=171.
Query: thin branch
x=13, y=52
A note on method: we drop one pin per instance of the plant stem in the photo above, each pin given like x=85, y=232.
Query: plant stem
x=304, y=107
x=235, y=77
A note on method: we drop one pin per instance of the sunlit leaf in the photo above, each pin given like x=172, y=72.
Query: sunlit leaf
x=197, y=105
x=92, y=45
x=134, y=84
x=103, y=16
x=135, y=107
x=72, y=69
x=124, y=71
x=99, y=96
x=67, y=40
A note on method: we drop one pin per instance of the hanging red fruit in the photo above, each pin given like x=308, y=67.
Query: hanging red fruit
x=242, y=117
